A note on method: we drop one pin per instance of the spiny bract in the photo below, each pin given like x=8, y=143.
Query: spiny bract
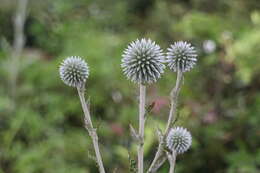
x=179, y=140
x=74, y=71
x=181, y=56
x=142, y=61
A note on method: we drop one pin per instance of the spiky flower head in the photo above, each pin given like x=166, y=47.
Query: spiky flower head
x=179, y=140
x=74, y=71
x=142, y=61
x=181, y=56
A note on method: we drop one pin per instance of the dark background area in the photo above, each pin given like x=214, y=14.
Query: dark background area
x=41, y=126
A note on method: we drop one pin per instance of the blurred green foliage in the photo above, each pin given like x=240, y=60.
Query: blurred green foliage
x=219, y=100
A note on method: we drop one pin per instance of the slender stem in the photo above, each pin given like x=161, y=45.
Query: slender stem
x=92, y=131
x=172, y=161
x=159, y=163
x=174, y=101
x=172, y=168
x=153, y=168
x=141, y=128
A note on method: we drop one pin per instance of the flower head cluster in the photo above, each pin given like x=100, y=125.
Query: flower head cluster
x=74, y=71
x=142, y=61
x=181, y=56
x=179, y=140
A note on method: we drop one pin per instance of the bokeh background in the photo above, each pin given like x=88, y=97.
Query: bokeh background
x=41, y=121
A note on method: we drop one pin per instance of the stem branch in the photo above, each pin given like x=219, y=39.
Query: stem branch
x=174, y=101
x=92, y=131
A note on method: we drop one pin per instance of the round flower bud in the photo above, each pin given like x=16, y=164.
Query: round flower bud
x=178, y=140
x=181, y=56
x=74, y=71
x=142, y=61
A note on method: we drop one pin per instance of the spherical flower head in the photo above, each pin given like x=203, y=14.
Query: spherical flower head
x=181, y=56
x=142, y=61
x=74, y=71
x=178, y=140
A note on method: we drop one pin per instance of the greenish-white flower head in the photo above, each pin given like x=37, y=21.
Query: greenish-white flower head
x=142, y=61
x=179, y=140
x=181, y=56
x=74, y=71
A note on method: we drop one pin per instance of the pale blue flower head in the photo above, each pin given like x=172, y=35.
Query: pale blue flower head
x=179, y=140
x=142, y=61
x=74, y=71
x=181, y=56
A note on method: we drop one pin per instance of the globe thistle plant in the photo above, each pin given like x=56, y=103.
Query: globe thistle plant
x=178, y=140
x=74, y=71
x=181, y=56
x=143, y=61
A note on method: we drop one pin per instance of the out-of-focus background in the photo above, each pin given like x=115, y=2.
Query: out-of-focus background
x=41, y=121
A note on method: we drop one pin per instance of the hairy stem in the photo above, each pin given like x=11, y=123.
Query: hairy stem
x=91, y=130
x=141, y=128
x=174, y=101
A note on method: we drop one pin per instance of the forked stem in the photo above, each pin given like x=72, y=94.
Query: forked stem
x=158, y=160
x=141, y=128
x=91, y=130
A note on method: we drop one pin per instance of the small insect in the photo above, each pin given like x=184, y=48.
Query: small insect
x=150, y=107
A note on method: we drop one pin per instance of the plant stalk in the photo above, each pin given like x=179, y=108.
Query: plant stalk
x=141, y=128
x=174, y=101
x=172, y=161
x=91, y=130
